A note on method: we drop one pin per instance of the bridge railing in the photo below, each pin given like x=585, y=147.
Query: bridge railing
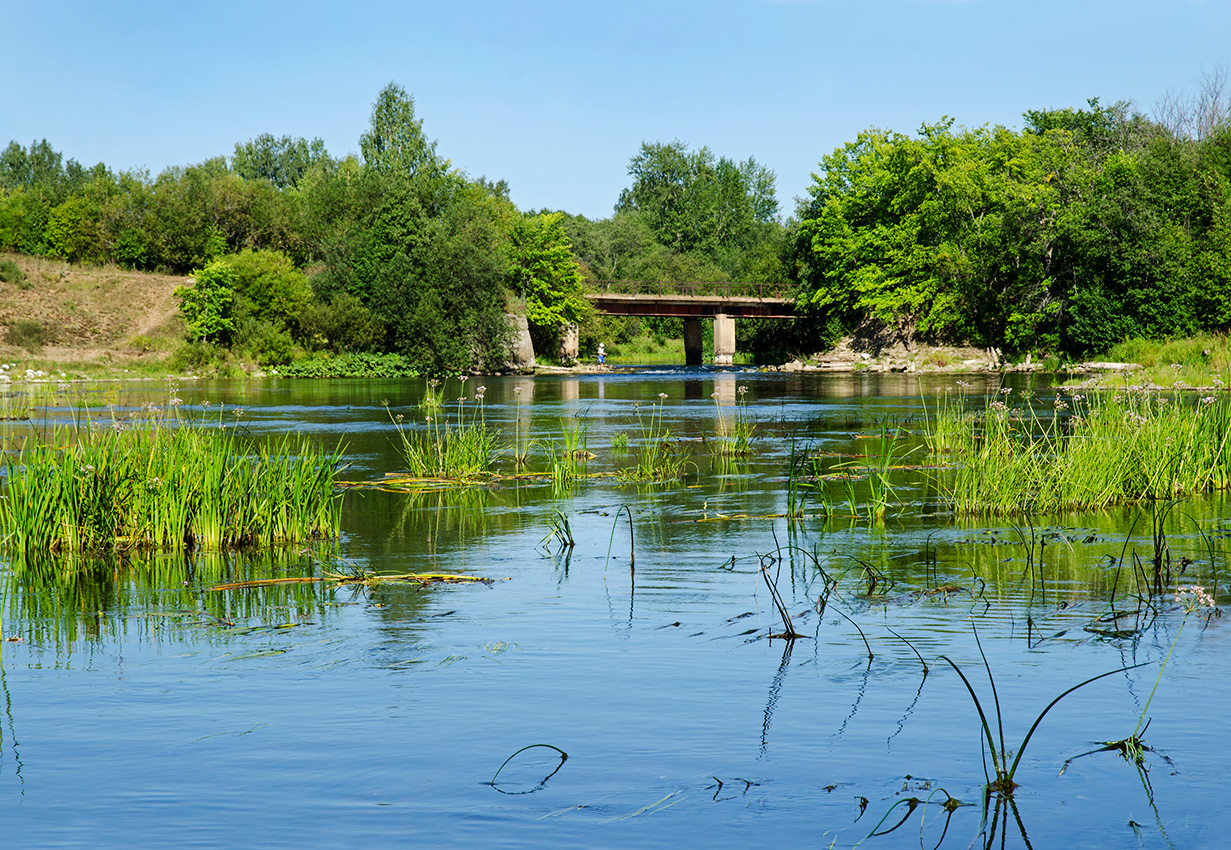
x=690, y=289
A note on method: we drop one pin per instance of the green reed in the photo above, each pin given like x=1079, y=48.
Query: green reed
x=1093, y=453
x=153, y=484
x=658, y=457
x=734, y=435
x=1000, y=780
x=462, y=447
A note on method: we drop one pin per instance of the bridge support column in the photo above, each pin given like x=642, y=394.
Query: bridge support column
x=692, y=342
x=570, y=344
x=724, y=340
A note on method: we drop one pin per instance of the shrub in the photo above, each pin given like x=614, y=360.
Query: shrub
x=10, y=272
x=352, y=366
x=30, y=335
x=206, y=304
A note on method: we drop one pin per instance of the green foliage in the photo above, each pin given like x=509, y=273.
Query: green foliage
x=394, y=145
x=269, y=287
x=693, y=201
x=28, y=334
x=427, y=261
x=352, y=365
x=207, y=304
x=340, y=324
x=73, y=231
x=282, y=161
x=10, y=272
x=543, y=270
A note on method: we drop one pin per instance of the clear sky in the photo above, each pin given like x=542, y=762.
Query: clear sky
x=555, y=97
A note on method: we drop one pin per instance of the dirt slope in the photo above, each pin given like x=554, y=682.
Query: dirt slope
x=87, y=315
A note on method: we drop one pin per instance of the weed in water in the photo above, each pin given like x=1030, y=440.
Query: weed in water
x=457, y=450
x=154, y=484
x=659, y=458
x=1089, y=453
x=559, y=531
x=734, y=435
x=1002, y=784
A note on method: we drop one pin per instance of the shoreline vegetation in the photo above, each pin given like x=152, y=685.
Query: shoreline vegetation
x=1052, y=244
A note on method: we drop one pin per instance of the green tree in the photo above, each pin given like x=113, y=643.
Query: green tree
x=207, y=304
x=695, y=202
x=282, y=161
x=394, y=144
x=544, y=272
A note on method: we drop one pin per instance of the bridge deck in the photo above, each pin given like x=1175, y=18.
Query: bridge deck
x=686, y=305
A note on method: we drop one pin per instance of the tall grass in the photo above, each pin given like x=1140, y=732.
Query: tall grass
x=658, y=457
x=734, y=435
x=463, y=447
x=1107, y=449
x=155, y=485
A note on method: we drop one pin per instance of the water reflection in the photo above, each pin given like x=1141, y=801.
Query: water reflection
x=655, y=680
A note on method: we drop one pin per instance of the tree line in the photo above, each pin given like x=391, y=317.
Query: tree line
x=1085, y=227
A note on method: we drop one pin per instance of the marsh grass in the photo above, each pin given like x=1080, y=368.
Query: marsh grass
x=460, y=447
x=1203, y=360
x=159, y=485
x=1092, y=453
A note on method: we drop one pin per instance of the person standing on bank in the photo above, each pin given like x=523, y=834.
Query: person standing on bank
x=602, y=354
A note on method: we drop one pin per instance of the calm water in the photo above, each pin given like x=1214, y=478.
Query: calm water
x=144, y=709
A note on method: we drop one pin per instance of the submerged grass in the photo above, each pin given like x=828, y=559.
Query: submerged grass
x=160, y=485
x=1093, y=452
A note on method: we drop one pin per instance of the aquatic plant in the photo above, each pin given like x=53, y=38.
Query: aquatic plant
x=521, y=448
x=1003, y=783
x=734, y=435
x=558, y=530
x=458, y=449
x=658, y=457
x=151, y=484
x=1091, y=453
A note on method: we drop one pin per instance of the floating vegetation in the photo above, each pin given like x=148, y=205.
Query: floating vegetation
x=158, y=485
x=366, y=578
x=1091, y=453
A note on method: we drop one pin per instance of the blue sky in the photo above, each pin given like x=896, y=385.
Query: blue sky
x=555, y=97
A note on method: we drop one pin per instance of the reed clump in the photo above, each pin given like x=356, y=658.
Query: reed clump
x=1090, y=453
x=165, y=486
x=734, y=434
x=463, y=446
x=658, y=457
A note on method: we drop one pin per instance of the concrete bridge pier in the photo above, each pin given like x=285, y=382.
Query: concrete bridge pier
x=692, y=342
x=570, y=344
x=724, y=339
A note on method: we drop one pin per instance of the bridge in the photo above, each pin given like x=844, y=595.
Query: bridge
x=693, y=301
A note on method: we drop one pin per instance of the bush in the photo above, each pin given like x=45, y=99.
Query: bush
x=30, y=335
x=341, y=324
x=10, y=272
x=196, y=356
x=352, y=366
x=207, y=304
